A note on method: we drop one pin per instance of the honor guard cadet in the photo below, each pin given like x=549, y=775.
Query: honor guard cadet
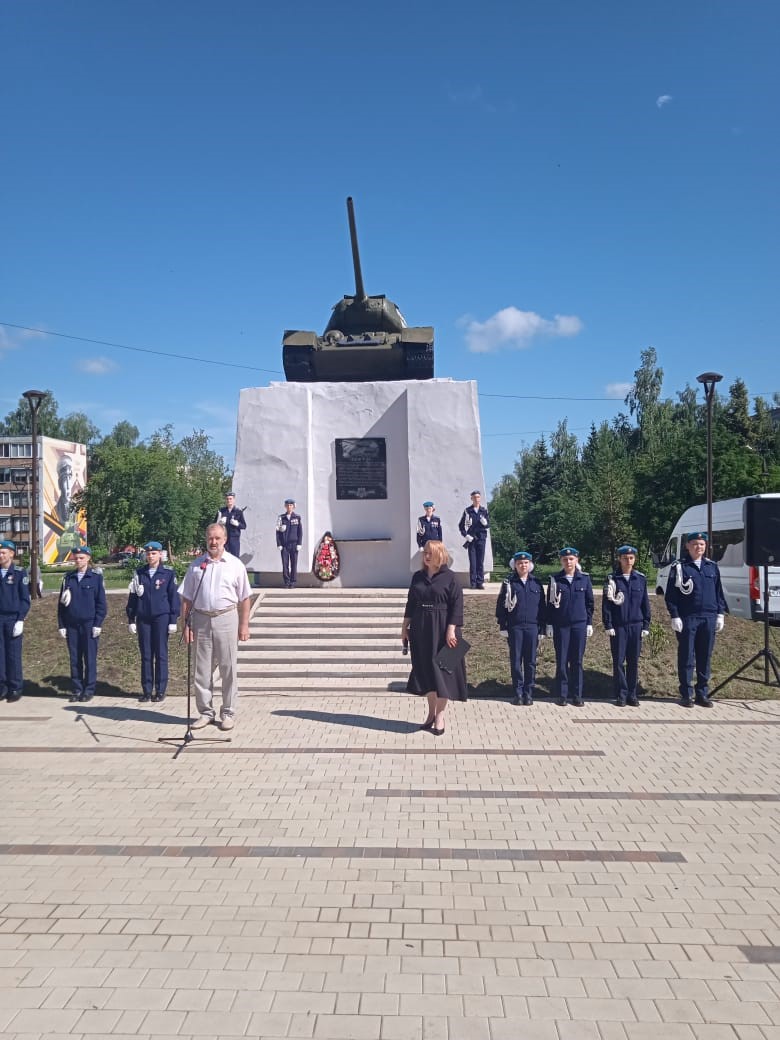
x=695, y=601
x=570, y=623
x=474, y=526
x=428, y=526
x=520, y=612
x=80, y=615
x=289, y=535
x=625, y=611
x=14, y=607
x=153, y=608
x=234, y=523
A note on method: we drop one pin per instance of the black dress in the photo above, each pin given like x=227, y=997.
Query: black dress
x=433, y=604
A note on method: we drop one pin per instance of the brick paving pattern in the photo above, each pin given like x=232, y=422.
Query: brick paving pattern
x=336, y=873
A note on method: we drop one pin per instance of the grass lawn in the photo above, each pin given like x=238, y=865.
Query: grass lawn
x=47, y=672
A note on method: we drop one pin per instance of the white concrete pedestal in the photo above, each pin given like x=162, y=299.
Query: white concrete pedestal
x=286, y=449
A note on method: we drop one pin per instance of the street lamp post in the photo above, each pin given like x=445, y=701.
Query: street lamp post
x=709, y=381
x=34, y=399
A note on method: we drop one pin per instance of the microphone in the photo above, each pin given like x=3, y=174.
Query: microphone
x=405, y=649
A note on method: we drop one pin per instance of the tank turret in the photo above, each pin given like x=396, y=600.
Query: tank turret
x=366, y=339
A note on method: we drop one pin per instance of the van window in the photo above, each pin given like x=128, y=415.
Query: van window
x=670, y=552
x=726, y=547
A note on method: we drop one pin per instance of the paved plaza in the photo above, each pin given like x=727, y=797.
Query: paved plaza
x=333, y=873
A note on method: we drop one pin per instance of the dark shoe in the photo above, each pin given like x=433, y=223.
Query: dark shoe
x=686, y=702
x=620, y=702
x=561, y=702
x=578, y=702
x=86, y=696
x=144, y=698
x=2, y=695
x=633, y=702
x=160, y=698
x=517, y=700
x=74, y=697
x=701, y=699
x=481, y=588
x=428, y=724
x=437, y=730
x=527, y=699
x=13, y=696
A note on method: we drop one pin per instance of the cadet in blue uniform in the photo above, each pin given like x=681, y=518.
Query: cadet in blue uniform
x=153, y=608
x=14, y=606
x=570, y=623
x=80, y=616
x=520, y=612
x=428, y=526
x=625, y=611
x=695, y=601
x=234, y=523
x=289, y=535
x=474, y=526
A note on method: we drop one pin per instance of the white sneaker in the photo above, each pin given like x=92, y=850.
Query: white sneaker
x=202, y=721
x=227, y=722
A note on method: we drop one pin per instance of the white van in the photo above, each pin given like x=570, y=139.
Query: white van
x=743, y=586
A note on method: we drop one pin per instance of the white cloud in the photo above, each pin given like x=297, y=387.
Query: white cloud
x=618, y=391
x=98, y=366
x=663, y=99
x=12, y=339
x=513, y=329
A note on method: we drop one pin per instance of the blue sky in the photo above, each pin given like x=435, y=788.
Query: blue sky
x=554, y=186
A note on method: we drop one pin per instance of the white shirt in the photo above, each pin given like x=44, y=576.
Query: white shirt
x=221, y=584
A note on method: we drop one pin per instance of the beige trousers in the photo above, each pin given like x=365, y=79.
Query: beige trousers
x=215, y=647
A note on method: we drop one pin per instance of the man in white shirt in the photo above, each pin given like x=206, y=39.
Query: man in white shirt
x=217, y=599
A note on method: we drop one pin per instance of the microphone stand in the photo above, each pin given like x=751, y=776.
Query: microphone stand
x=189, y=736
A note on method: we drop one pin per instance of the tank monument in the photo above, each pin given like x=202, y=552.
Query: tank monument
x=360, y=435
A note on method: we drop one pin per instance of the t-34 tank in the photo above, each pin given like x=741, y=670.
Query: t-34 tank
x=366, y=339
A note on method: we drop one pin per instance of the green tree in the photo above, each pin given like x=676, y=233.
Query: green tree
x=18, y=423
x=607, y=493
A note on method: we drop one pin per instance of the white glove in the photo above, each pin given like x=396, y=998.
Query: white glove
x=132, y=628
x=549, y=631
x=541, y=636
x=65, y=597
x=719, y=621
x=172, y=629
x=483, y=521
x=676, y=624
x=297, y=548
x=589, y=631
x=233, y=521
x=96, y=631
x=645, y=633
x=280, y=548
x=139, y=589
x=610, y=632
x=222, y=520
x=63, y=632
x=503, y=633
x=469, y=537
x=18, y=629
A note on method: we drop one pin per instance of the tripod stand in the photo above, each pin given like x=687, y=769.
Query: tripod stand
x=765, y=653
x=186, y=634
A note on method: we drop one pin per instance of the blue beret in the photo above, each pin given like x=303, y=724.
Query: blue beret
x=6, y=544
x=627, y=549
x=289, y=501
x=476, y=493
x=82, y=549
x=427, y=505
x=153, y=545
x=522, y=555
x=696, y=534
x=569, y=550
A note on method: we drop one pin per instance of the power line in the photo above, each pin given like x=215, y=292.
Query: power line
x=539, y=397
x=139, y=350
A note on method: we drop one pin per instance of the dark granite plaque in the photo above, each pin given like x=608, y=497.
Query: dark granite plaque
x=361, y=468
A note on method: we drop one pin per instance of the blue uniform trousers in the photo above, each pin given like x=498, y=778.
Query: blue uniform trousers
x=10, y=657
x=82, y=649
x=523, y=641
x=476, y=553
x=694, y=645
x=153, y=644
x=289, y=565
x=233, y=541
x=569, y=642
x=626, y=645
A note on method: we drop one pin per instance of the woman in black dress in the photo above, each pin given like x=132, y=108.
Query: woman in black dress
x=432, y=620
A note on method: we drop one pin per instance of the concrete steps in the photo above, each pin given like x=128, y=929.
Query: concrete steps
x=332, y=641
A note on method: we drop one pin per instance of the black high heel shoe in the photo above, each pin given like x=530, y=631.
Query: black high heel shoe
x=428, y=724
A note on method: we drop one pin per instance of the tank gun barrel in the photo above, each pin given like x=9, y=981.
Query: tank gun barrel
x=360, y=292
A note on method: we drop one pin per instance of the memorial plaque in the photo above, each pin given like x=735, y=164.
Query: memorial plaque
x=361, y=468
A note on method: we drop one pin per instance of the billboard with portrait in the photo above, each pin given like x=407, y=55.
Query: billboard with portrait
x=63, y=474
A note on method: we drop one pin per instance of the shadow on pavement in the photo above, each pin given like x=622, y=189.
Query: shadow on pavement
x=121, y=714
x=347, y=719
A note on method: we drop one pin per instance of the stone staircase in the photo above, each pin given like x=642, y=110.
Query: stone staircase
x=324, y=640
